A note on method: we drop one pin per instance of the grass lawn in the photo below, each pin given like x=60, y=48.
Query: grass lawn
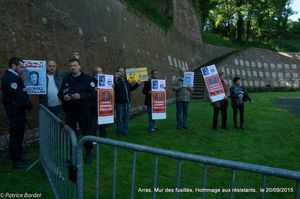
x=271, y=138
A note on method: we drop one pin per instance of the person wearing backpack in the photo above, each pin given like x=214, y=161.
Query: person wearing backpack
x=238, y=96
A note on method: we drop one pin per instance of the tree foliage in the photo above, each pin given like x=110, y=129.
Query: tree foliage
x=248, y=20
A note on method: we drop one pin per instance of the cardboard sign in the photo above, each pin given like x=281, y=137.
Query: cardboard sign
x=188, y=79
x=213, y=83
x=137, y=74
x=35, y=77
x=158, y=99
x=105, y=99
x=105, y=81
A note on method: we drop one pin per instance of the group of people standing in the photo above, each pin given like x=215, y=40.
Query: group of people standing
x=238, y=96
x=75, y=94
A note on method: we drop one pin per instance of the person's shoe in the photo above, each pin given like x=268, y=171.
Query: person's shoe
x=224, y=128
x=125, y=134
x=185, y=128
x=214, y=128
x=155, y=128
x=235, y=126
x=19, y=165
x=242, y=128
x=88, y=158
x=178, y=127
x=152, y=130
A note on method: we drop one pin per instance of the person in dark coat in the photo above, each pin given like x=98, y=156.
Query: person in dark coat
x=77, y=93
x=123, y=100
x=221, y=106
x=16, y=102
x=148, y=102
x=238, y=96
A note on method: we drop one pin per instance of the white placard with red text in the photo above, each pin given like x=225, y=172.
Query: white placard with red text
x=213, y=83
x=105, y=101
x=158, y=99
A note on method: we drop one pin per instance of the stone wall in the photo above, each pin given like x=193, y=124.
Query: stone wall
x=105, y=34
x=262, y=68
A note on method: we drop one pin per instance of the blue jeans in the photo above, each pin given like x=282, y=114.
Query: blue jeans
x=123, y=111
x=181, y=112
x=151, y=122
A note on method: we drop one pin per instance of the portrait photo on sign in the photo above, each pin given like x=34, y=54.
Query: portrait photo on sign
x=102, y=80
x=158, y=97
x=106, y=96
x=34, y=78
x=154, y=84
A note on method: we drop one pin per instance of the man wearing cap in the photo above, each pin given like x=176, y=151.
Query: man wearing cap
x=238, y=96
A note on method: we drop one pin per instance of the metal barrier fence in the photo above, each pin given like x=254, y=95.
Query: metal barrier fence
x=57, y=154
x=206, y=161
x=62, y=159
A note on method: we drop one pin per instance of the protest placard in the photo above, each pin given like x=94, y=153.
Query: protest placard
x=137, y=74
x=188, y=79
x=35, y=77
x=213, y=83
x=158, y=98
x=105, y=99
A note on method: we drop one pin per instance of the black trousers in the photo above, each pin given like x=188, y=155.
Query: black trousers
x=16, y=119
x=240, y=109
x=102, y=128
x=223, y=109
x=83, y=118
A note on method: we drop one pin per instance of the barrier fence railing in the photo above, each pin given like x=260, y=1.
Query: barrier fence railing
x=57, y=154
x=62, y=159
x=264, y=171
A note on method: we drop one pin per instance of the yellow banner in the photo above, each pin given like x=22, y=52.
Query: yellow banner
x=137, y=74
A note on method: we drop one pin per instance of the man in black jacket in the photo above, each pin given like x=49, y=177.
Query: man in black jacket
x=77, y=93
x=148, y=101
x=123, y=99
x=15, y=101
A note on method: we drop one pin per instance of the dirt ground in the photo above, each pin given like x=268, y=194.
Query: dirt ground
x=290, y=104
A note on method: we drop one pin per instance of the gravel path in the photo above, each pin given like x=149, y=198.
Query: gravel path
x=290, y=104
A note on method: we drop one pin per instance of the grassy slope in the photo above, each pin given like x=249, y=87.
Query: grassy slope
x=271, y=138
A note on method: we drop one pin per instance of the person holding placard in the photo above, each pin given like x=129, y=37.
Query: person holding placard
x=238, y=96
x=123, y=100
x=147, y=102
x=183, y=97
x=102, y=127
x=221, y=105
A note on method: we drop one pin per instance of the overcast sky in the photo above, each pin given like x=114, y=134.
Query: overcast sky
x=296, y=7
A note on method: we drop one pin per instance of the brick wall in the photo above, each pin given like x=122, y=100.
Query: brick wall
x=105, y=33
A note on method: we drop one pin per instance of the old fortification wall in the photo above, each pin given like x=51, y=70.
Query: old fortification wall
x=262, y=68
x=105, y=33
